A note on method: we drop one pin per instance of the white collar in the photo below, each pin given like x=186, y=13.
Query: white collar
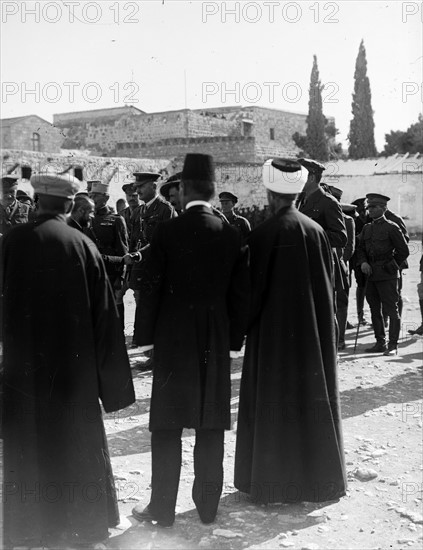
x=197, y=203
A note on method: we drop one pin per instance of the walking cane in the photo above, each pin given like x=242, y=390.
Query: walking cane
x=360, y=314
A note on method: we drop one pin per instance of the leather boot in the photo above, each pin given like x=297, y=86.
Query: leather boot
x=394, y=332
x=341, y=316
x=418, y=331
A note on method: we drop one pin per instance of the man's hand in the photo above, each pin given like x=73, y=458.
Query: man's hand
x=366, y=268
x=130, y=259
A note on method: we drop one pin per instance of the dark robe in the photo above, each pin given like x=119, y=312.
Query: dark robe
x=63, y=350
x=195, y=303
x=289, y=441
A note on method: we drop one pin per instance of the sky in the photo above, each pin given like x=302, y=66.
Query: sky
x=158, y=55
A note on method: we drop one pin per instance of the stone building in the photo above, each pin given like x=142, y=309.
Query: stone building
x=31, y=133
x=231, y=134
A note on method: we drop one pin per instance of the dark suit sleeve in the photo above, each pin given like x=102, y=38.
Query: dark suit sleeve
x=150, y=290
x=361, y=247
x=335, y=227
x=116, y=388
x=238, y=299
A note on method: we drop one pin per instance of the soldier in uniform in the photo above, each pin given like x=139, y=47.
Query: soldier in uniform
x=154, y=211
x=12, y=211
x=110, y=234
x=344, y=255
x=381, y=251
x=324, y=209
x=360, y=221
x=227, y=203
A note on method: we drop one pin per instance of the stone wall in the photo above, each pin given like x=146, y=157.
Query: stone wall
x=31, y=133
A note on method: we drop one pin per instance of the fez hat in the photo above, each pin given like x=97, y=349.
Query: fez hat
x=226, y=195
x=198, y=167
x=56, y=185
x=98, y=187
x=9, y=183
x=128, y=188
x=376, y=198
x=145, y=177
x=172, y=181
x=336, y=192
x=312, y=166
x=284, y=176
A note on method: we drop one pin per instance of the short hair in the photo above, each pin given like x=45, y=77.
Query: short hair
x=81, y=201
x=54, y=204
x=201, y=188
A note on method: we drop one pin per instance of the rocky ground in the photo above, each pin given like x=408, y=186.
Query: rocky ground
x=382, y=422
x=382, y=412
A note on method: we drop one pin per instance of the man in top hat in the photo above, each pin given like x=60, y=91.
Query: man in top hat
x=111, y=237
x=194, y=298
x=289, y=444
x=12, y=211
x=381, y=251
x=63, y=351
x=227, y=203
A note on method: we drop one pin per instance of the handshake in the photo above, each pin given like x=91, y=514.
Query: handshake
x=132, y=258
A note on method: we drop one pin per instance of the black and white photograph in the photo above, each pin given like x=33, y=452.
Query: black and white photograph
x=211, y=275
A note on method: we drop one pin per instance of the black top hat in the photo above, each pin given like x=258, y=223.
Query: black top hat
x=312, y=165
x=198, y=167
x=226, y=195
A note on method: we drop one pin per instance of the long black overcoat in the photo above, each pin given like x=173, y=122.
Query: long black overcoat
x=289, y=441
x=63, y=350
x=194, y=310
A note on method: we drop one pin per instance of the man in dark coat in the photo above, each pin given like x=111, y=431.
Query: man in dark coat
x=82, y=213
x=381, y=251
x=195, y=300
x=63, y=350
x=289, y=440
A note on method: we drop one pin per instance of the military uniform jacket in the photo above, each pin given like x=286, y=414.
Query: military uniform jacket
x=108, y=230
x=240, y=223
x=383, y=246
x=18, y=213
x=133, y=225
x=150, y=217
x=324, y=209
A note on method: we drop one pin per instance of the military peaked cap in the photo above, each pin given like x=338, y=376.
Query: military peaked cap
x=226, y=195
x=312, y=166
x=376, y=198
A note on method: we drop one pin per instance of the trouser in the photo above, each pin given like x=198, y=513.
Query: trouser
x=342, y=312
x=384, y=295
x=400, y=302
x=166, y=458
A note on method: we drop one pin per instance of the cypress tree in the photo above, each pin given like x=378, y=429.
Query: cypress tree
x=362, y=126
x=316, y=142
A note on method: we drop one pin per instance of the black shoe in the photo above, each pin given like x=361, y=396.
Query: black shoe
x=146, y=515
x=377, y=348
x=391, y=351
x=418, y=331
x=349, y=326
x=341, y=346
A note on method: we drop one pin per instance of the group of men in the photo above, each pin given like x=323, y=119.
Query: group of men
x=204, y=281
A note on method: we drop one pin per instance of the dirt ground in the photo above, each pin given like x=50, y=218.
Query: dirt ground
x=382, y=422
